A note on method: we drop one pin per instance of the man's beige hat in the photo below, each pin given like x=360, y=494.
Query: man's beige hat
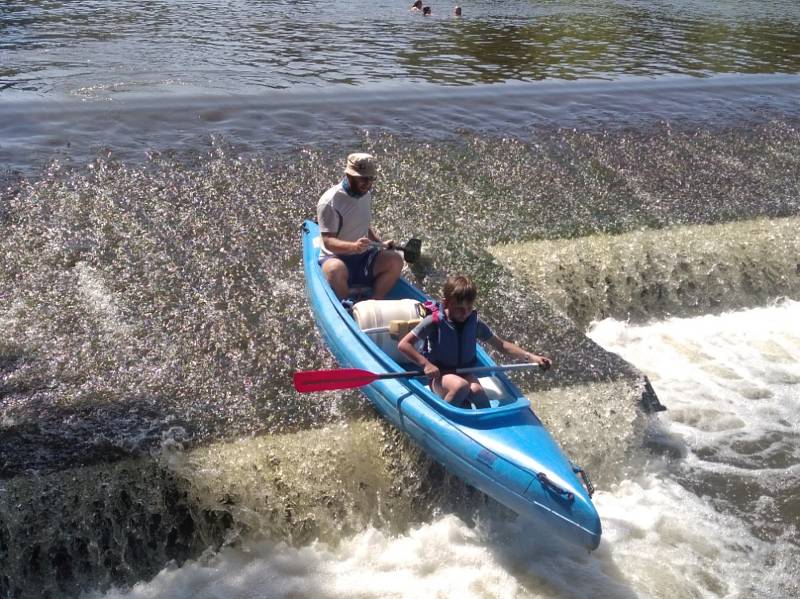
x=361, y=165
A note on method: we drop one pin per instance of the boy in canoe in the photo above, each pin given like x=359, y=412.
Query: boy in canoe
x=451, y=335
x=351, y=252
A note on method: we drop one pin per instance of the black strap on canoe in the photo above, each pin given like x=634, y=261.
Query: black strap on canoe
x=585, y=478
x=546, y=482
x=569, y=496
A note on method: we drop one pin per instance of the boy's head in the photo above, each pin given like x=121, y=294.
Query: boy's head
x=459, y=294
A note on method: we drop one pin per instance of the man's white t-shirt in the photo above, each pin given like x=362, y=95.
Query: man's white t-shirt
x=344, y=216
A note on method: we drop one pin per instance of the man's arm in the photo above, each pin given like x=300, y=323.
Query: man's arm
x=388, y=244
x=342, y=247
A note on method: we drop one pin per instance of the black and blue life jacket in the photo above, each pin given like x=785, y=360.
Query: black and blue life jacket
x=452, y=346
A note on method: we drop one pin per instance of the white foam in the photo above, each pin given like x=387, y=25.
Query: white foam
x=659, y=541
x=726, y=379
x=99, y=298
x=445, y=558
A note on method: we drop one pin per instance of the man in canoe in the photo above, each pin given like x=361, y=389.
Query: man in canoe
x=450, y=334
x=351, y=253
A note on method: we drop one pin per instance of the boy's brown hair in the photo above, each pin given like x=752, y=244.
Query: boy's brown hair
x=459, y=288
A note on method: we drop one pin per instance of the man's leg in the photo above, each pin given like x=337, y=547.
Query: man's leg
x=336, y=272
x=386, y=270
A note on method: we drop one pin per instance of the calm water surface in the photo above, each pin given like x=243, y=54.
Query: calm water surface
x=80, y=77
x=100, y=50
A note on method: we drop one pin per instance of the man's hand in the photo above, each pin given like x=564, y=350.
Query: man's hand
x=361, y=245
x=383, y=245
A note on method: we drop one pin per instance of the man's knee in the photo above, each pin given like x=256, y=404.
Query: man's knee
x=333, y=267
x=397, y=262
x=335, y=271
x=389, y=261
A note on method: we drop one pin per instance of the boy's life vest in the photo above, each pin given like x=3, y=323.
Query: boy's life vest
x=451, y=346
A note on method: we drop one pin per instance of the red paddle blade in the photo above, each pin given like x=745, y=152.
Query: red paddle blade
x=330, y=380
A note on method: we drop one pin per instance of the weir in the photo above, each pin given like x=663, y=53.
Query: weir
x=649, y=275
x=120, y=523
x=151, y=317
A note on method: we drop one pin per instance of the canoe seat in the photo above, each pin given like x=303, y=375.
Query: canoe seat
x=495, y=391
x=375, y=316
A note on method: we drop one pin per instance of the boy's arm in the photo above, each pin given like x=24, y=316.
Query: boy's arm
x=407, y=346
x=515, y=351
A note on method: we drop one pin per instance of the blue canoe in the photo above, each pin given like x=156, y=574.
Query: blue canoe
x=504, y=451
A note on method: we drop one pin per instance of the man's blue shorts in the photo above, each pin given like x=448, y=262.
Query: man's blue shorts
x=359, y=266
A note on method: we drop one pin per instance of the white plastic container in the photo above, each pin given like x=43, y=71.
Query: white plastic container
x=375, y=314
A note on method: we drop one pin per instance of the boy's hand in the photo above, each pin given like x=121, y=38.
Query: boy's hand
x=432, y=371
x=544, y=362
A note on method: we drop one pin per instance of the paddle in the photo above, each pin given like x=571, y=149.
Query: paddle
x=411, y=250
x=351, y=378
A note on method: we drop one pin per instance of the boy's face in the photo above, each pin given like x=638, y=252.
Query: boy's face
x=458, y=311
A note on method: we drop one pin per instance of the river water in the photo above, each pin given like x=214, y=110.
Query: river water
x=156, y=159
x=80, y=77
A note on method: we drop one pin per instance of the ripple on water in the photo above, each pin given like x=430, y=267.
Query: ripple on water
x=753, y=391
x=707, y=420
